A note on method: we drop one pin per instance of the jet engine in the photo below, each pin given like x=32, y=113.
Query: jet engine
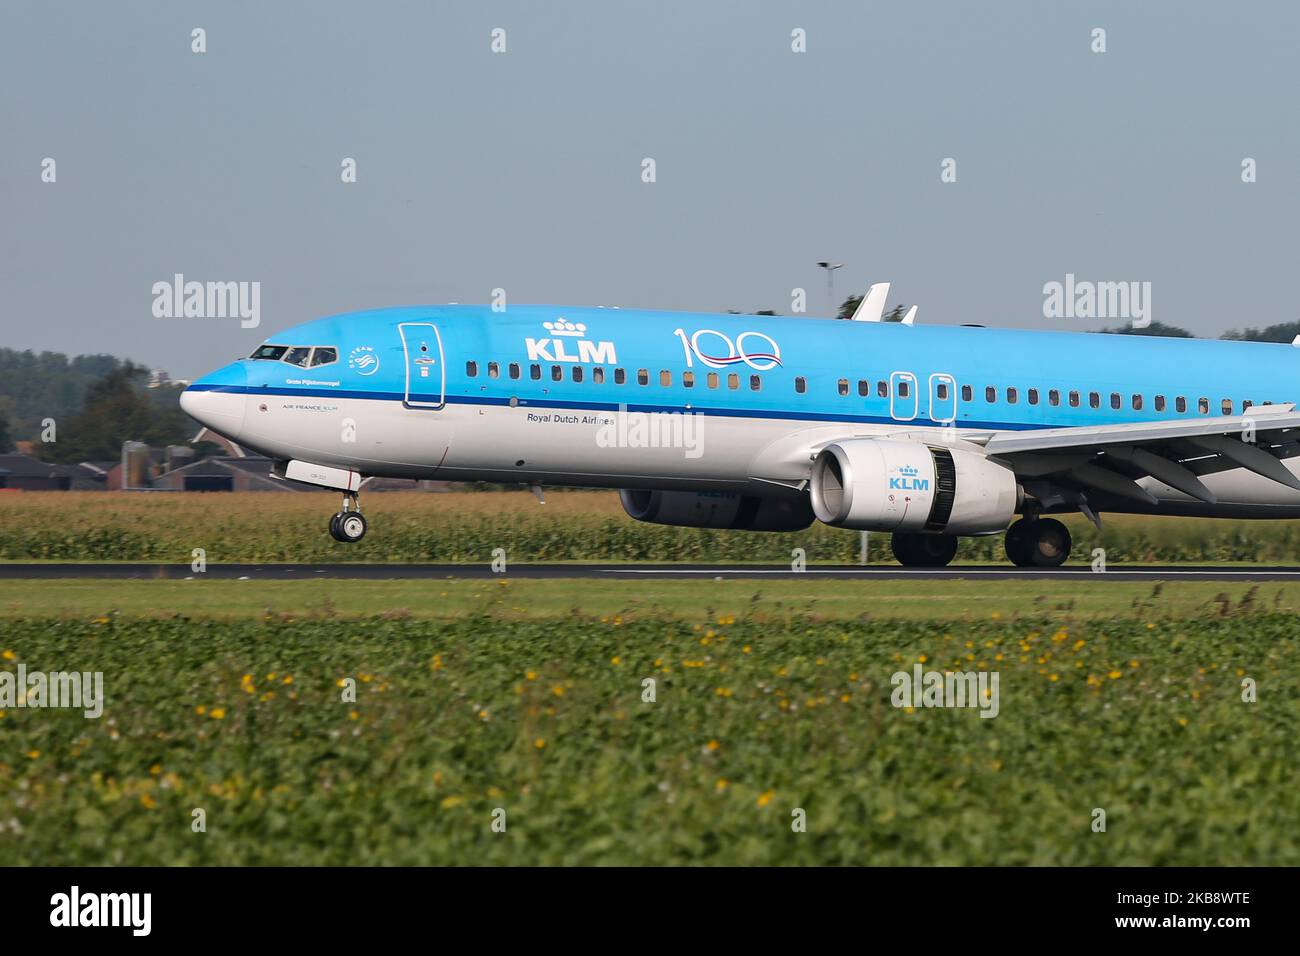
x=717, y=509
x=881, y=484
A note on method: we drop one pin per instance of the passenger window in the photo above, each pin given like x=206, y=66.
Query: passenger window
x=1226, y=406
x=1053, y=397
x=688, y=379
x=755, y=383
x=1246, y=403
x=298, y=355
x=1137, y=403
x=1033, y=396
x=882, y=389
x=557, y=373
x=713, y=380
x=598, y=375
x=471, y=369
x=990, y=394
x=1160, y=403
x=1011, y=396
x=1180, y=404
x=800, y=384
x=902, y=389
x=577, y=373
x=1115, y=400
x=1203, y=406
x=494, y=370
x=844, y=386
x=941, y=391
x=1074, y=399
x=966, y=393
x=643, y=376
x=665, y=378
x=323, y=356
x=1094, y=400
x=620, y=376
x=514, y=369
x=733, y=381
x=864, y=387
x=535, y=372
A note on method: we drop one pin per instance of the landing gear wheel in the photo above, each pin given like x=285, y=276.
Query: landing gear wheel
x=349, y=526
x=923, y=550
x=1042, y=543
x=334, y=526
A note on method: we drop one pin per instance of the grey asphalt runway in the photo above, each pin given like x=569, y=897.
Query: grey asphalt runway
x=681, y=572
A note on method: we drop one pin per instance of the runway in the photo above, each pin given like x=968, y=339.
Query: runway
x=596, y=571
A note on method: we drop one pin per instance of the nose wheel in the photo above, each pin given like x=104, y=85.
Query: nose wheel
x=349, y=525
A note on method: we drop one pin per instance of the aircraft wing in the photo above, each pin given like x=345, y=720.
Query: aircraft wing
x=1112, y=458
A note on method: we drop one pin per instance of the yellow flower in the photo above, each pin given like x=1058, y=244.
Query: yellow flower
x=765, y=797
x=746, y=649
x=1182, y=721
x=33, y=754
x=721, y=785
x=712, y=745
x=616, y=660
x=449, y=802
x=288, y=679
x=200, y=709
x=147, y=801
x=218, y=713
x=540, y=743
x=353, y=715
x=558, y=690
x=530, y=675
x=155, y=770
x=1115, y=675
x=8, y=655
x=922, y=658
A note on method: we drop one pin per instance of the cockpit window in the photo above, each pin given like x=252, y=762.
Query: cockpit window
x=304, y=356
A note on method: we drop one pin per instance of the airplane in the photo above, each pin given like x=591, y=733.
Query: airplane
x=766, y=423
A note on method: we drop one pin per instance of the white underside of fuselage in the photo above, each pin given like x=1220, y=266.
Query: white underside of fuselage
x=539, y=444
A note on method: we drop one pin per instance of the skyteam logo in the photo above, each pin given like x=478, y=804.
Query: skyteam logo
x=363, y=360
x=563, y=334
x=907, y=480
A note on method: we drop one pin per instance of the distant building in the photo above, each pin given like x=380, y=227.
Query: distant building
x=25, y=473
x=227, y=474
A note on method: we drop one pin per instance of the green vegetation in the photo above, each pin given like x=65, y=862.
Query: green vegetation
x=571, y=526
x=755, y=714
x=762, y=600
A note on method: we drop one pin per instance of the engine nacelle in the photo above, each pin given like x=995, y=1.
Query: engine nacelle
x=882, y=484
x=717, y=509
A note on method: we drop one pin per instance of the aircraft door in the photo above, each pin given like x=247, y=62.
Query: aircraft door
x=426, y=371
x=903, y=399
x=943, y=398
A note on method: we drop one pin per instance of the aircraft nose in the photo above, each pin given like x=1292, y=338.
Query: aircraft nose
x=217, y=400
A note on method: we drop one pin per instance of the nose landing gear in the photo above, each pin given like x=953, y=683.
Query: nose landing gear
x=1038, y=543
x=349, y=525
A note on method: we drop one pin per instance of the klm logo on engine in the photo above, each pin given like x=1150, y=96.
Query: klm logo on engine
x=565, y=334
x=907, y=480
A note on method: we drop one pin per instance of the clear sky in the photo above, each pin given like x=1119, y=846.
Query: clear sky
x=523, y=170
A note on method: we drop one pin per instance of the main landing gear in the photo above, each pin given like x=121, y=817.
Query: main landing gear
x=1038, y=543
x=349, y=525
x=923, y=550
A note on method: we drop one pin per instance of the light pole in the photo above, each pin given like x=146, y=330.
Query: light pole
x=830, y=268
